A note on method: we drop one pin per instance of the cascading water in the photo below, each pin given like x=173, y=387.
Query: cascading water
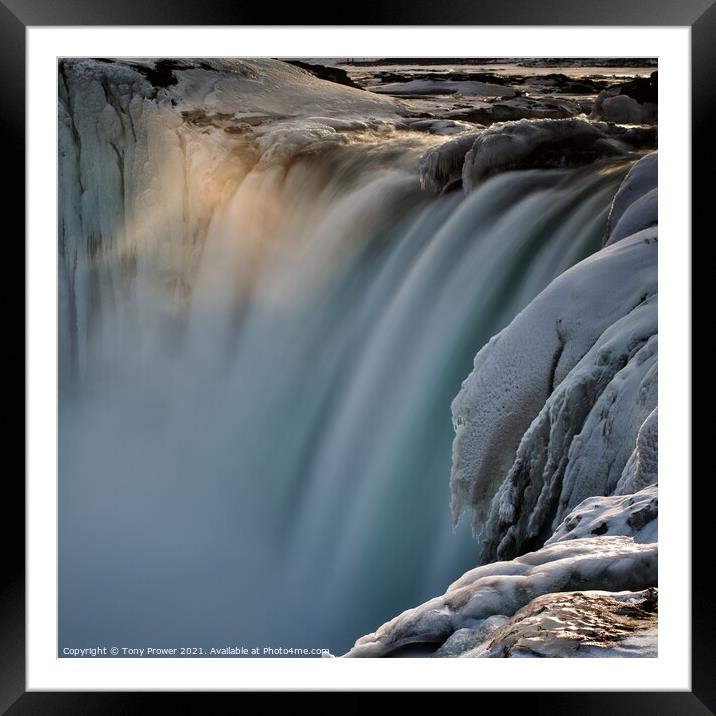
x=255, y=394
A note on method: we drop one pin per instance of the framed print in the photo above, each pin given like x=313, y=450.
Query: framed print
x=342, y=354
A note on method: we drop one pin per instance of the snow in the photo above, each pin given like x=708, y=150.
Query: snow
x=621, y=109
x=466, y=88
x=631, y=515
x=612, y=564
x=636, y=198
x=269, y=86
x=476, y=155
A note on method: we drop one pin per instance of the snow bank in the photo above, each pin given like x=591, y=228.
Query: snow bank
x=635, y=516
x=612, y=564
x=642, y=214
x=262, y=85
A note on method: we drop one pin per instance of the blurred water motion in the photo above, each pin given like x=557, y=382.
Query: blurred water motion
x=255, y=430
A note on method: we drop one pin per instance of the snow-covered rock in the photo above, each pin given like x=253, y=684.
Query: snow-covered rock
x=634, y=515
x=425, y=86
x=578, y=624
x=515, y=108
x=445, y=127
x=611, y=564
x=634, y=102
x=476, y=155
x=541, y=143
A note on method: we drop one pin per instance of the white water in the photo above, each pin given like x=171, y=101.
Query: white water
x=255, y=426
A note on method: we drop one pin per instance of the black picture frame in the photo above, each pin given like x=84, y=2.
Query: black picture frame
x=17, y=15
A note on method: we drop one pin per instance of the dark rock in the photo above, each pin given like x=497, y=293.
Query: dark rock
x=642, y=89
x=396, y=77
x=332, y=74
x=526, y=109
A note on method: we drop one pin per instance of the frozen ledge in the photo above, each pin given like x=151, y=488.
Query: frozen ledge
x=609, y=564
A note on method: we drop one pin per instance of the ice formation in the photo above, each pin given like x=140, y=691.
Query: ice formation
x=610, y=564
x=546, y=143
x=474, y=156
x=441, y=166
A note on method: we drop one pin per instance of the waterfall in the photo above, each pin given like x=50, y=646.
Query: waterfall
x=257, y=366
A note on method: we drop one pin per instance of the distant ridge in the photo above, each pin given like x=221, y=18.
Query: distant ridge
x=519, y=61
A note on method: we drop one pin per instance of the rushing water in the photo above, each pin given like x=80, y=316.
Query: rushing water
x=255, y=446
